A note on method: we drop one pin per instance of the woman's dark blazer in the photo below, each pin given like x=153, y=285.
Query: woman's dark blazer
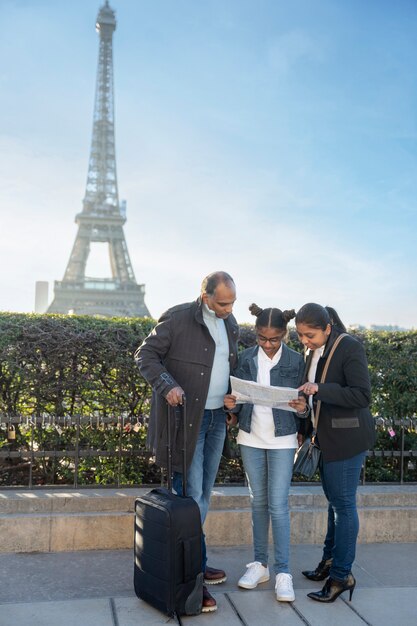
x=346, y=426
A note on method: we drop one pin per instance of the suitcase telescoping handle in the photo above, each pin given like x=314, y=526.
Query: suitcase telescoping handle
x=179, y=412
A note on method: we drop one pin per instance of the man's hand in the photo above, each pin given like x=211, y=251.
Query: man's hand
x=231, y=419
x=174, y=397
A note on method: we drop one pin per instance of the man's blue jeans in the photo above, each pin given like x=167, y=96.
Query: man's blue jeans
x=269, y=473
x=340, y=482
x=205, y=464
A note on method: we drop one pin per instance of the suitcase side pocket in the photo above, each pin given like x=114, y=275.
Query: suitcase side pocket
x=192, y=557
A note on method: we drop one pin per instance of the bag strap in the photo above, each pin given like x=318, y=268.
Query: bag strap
x=323, y=376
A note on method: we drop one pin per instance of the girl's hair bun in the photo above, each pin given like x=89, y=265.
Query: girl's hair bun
x=288, y=315
x=255, y=309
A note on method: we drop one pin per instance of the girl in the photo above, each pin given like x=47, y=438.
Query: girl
x=268, y=440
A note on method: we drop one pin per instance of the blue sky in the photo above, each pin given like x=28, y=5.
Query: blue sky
x=275, y=140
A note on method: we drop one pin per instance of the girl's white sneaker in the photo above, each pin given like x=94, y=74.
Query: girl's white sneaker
x=256, y=573
x=283, y=588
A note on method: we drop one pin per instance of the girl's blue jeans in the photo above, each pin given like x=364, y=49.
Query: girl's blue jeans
x=269, y=473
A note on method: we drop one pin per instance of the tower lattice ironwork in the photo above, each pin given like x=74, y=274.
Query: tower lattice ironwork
x=102, y=216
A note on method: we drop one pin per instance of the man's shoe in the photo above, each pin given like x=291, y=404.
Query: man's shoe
x=321, y=572
x=283, y=588
x=214, y=576
x=209, y=603
x=255, y=574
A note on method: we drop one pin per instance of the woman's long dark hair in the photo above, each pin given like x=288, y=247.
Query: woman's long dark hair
x=318, y=316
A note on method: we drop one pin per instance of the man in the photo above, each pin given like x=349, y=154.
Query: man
x=191, y=352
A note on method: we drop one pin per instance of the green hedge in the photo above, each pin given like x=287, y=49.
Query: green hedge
x=68, y=365
x=63, y=366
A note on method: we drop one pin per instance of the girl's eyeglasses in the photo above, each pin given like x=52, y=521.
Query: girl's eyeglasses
x=274, y=341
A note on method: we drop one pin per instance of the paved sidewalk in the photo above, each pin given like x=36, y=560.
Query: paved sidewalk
x=95, y=588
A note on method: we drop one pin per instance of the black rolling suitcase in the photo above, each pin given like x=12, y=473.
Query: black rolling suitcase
x=168, y=552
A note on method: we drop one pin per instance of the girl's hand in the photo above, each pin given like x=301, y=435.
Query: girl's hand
x=309, y=388
x=299, y=405
x=229, y=401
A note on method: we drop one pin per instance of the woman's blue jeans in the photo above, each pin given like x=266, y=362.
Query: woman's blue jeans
x=340, y=481
x=269, y=475
x=205, y=464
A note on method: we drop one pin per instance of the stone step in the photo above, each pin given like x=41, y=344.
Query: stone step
x=122, y=500
x=54, y=521
x=313, y=496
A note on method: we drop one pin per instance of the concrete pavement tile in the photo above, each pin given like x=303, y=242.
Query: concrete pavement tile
x=64, y=575
x=60, y=577
x=376, y=564
x=233, y=561
x=132, y=611
x=389, y=564
x=135, y=612
x=68, y=613
x=302, y=556
x=261, y=607
x=386, y=607
x=307, y=557
x=337, y=613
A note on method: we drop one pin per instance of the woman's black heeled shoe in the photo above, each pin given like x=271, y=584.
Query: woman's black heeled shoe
x=321, y=572
x=333, y=588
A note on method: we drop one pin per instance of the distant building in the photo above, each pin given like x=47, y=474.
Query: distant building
x=388, y=327
x=41, y=296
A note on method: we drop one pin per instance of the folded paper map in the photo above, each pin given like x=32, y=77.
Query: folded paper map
x=266, y=395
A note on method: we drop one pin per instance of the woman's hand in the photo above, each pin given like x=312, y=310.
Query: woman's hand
x=300, y=439
x=309, y=388
x=229, y=401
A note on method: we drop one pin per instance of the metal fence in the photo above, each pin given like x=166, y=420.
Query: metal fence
x=77, y=450
x=110, y=451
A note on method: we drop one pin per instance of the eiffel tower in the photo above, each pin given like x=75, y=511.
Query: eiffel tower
x=102, y=216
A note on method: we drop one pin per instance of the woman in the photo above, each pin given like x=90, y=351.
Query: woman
x=345, y=431
x=268, y=440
